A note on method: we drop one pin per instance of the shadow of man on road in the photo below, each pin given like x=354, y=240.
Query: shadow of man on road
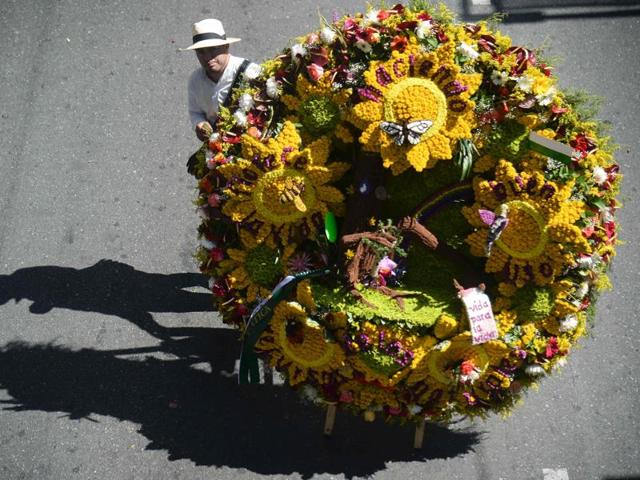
x=111, y=288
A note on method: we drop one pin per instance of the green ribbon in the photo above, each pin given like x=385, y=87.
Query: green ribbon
x=259, y=320
x=551, y=148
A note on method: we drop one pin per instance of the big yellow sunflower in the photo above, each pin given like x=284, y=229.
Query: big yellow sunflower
x=282, y=190
x=319, y=108
x=256, y=267
x=417, y=108
x=541, y=238
x=298, y=345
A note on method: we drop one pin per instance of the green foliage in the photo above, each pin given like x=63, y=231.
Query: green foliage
x=533, y=303
x=264, y=266
x=319, y=115
x=508, y=140
x=381, y=362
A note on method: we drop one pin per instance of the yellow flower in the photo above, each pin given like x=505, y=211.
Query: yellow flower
x=414, y=87
x=542, y=236
x=256, y=268
x=319, y=108
x=445, y=326
x=298, y=345
x=282, y=192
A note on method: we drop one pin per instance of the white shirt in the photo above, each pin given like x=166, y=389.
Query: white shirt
x=205, y=95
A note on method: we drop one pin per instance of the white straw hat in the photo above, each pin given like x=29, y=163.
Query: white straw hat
x=209, y=33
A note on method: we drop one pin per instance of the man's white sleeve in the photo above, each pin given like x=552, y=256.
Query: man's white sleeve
x=196, y=115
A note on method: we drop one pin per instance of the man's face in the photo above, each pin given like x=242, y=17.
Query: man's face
x=213, y=59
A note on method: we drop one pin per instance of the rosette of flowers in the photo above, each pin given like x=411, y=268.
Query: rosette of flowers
x=408, y=158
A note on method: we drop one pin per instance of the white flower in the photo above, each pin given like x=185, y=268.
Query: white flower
x=607, y=215
x=214, y=137
x=297, y=52
x=553, y=164
x=582, y=290
x=585, y=262
x=371, y=18
x=467, y=50
x=272, y=88
x=546, y=98
x=309, y=393
x=208, y=244
x=524, y=83
x=569, y=323
x=212, y=282
x=363, y=45
x=472, y=377
x=599, y=175
x=561, y=362
x=245, y=102
x=423, y=29
x=240, y=118
x=534, y=370
x=499, y=78
x=208, y=157
x=252, y=71
x=414, y=409
x=327, y=35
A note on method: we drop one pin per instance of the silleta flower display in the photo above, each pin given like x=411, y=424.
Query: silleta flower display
x=406, y=216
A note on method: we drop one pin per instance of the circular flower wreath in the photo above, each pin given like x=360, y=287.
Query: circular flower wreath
x=419, y=135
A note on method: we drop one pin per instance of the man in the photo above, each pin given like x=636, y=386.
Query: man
x=210, y=86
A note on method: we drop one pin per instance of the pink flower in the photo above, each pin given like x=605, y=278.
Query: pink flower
x=346, y=397
x=315, y=71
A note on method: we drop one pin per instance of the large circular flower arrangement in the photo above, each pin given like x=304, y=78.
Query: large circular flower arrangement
x=405, y=159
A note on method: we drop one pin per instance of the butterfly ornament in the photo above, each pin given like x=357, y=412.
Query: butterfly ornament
x=497, y=223
x=408, y=132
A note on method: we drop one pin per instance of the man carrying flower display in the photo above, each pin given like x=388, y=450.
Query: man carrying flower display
x=210, y=85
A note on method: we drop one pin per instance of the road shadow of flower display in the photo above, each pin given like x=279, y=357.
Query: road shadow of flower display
x=111, y=288
x=206, y=417
x=192, y=413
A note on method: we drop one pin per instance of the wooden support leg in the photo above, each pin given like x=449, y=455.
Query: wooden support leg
x=419, y=436
x=330, y=419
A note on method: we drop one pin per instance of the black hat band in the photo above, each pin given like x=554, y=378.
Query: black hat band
x=208, y=36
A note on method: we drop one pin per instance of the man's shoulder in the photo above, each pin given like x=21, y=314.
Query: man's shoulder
x=197, y=76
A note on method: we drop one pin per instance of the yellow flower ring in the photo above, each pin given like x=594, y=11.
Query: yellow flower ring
x=327, y=167
x=542, y=237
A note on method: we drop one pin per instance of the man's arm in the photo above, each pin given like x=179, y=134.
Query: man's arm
x=197, y=116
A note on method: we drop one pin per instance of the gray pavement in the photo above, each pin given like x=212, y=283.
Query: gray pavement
x=111, y=367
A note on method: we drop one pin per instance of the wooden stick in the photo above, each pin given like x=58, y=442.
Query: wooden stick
x=330, y=419
x=419, y=436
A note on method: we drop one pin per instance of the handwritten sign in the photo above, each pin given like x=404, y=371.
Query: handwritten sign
x=481, y=320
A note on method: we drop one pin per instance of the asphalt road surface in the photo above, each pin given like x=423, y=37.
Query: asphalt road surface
x=111, y=367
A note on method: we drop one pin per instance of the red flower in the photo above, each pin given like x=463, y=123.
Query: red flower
x=219, y=289
x=216, y=254
x=315, y=71
x=399, y=43
x=410, y=25
x=610, y=229
x=588, y=231
x=205, y=185
x=398, y=8
x=552, y=348
x=383, y=15
x=467, y=367
x=214, y=200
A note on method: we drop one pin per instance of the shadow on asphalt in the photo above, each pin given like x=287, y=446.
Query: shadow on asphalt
x=191, y=413
x=110, y=288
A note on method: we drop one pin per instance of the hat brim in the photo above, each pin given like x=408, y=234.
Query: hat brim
x=212, y=42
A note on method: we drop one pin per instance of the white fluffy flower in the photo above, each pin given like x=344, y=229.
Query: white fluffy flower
x=371, y=18
x=585, y=262
x=212, y=282
x=524, y=83
x=414, y=409
x=327, y=35
x=272, y=88
x=363, y=45
x=499, y=78
x=297, y=52
x=534, y=370
x=252, y=71
x=546, y=98
x=208, y=158
x=309, y=393
x=423, y=29
x=607, y=215
x=245, y=102
x=240, y=118
x=599, y=175
x=467, y=50
x=569, y=323
x=214, y=137
x=582, y=290
x=472, y=377
x=208, y=244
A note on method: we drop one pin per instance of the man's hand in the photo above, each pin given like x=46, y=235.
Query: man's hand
x=203, y=131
